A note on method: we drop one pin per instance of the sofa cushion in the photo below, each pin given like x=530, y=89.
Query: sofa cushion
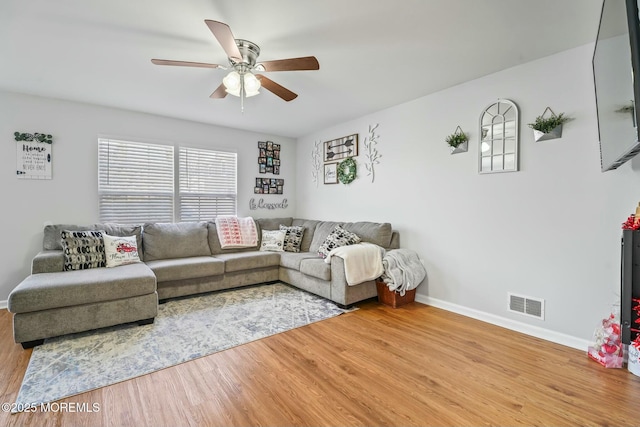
x=337, y=238
x=323, y=228
x=71, y=288
x=123, y=230
x=175, y=240
x=52, y=239
x=82, y=249
x=273, y=223
x=242, y=261
x=120, y=250
x=292, y=259
x=309, y=226
x=272, y=240
x=293, y=237
x=186, y=268
x=372, y=232
x=316, y=267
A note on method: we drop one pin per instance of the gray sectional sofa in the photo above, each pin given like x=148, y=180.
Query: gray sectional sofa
x=179, y=259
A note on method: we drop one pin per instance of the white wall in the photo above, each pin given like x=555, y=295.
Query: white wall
x=551, y=230
x=71, y=196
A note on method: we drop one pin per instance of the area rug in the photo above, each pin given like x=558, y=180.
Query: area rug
x=184, y=329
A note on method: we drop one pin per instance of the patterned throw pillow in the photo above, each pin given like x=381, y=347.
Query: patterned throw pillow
x=293, y=238
x=337, y=238
x=272, y=240
x=82, y=249
x=120, y=250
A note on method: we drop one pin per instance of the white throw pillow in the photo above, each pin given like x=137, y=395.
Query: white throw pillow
x=272, y=240
x=120, y=250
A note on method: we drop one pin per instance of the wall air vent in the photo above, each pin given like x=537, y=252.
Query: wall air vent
x=528, y=306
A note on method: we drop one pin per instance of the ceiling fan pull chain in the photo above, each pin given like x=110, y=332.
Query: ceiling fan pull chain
x=242, y=93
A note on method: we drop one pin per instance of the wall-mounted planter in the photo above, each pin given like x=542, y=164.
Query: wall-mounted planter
x=458, y=141
x=554, y=133
x=546, y=128
x=460, y=148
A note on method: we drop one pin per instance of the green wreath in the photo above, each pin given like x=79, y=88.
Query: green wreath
x=347, y=171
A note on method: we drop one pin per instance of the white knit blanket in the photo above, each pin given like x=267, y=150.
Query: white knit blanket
x=362, y=262
x=235, y=232
x=403, y=270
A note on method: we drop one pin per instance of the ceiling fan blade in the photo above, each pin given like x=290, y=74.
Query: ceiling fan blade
x=276, y=89
x=221, y=92
x=223, y=33
x=292, y=64
x=184, y=63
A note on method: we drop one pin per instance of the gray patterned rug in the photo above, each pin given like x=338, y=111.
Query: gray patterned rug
x=185, y=329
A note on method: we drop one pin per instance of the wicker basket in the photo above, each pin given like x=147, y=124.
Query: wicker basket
x=394, y=299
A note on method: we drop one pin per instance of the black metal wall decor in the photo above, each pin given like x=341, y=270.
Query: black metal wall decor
x=269, y=157
x=268, y=186
x=341, y=148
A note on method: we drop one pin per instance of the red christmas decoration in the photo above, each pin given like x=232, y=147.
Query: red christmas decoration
x=631, y=223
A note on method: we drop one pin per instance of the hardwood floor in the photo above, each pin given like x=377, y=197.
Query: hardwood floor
x=378, y=366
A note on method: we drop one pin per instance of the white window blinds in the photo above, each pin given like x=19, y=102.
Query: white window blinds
x=207, y=185
x=137, y=183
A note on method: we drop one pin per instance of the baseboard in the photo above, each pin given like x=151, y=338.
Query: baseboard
x=535, y=331
x=3, y=304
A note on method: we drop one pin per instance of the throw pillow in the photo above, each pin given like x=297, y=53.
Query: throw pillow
x=120, y=250
x=293, y=237
x=337, y=238
x=272, y=240
x=82, y=249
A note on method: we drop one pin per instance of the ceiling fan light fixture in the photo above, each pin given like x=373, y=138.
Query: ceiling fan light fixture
x=251, y=85
x=232, y=83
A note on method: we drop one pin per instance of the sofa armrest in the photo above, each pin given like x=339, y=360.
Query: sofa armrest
x=48, y=261
x=395, y=240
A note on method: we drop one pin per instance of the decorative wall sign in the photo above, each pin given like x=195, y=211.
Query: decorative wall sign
x=372, y=154
x=341, y=148
x=316, y=162
x=33, y=155
x=269, y=157
x=331, y=173
x=261, y=204
x=268, y=186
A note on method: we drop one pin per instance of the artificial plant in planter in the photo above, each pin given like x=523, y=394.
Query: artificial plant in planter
x=545, y=128
x=458, y=141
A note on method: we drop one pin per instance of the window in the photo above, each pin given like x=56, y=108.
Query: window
x=137, y=183
x=207, y=184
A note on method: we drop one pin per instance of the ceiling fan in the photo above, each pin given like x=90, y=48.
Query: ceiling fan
x=243, y=81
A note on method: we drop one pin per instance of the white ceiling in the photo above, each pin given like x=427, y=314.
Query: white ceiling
x=373, y=54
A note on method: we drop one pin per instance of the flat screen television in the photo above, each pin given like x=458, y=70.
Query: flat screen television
x=616, y=67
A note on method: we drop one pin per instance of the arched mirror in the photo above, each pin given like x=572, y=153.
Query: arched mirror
x=499, y=137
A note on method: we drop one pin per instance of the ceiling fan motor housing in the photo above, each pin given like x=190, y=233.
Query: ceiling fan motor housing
x=249, y=51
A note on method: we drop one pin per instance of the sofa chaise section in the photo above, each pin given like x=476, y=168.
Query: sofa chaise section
x=57, y=303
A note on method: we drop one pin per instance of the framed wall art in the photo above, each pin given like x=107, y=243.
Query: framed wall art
x=268, y=157
x=341, y=148
x=33, y=155
x=331, y=173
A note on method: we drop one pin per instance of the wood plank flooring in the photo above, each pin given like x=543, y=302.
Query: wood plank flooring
x=378, y=366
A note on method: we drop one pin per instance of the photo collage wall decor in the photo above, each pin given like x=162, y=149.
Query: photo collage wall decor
x=269, y=162
x=269, y=186
x=269, y=157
